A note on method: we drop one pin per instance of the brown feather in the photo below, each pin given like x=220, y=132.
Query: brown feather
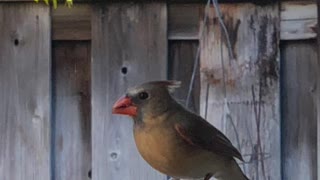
x=178, y=142
x=199, y=132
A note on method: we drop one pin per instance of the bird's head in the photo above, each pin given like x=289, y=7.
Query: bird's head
x=149, y=98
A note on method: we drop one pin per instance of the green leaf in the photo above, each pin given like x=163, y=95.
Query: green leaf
x=69, y=3
x=55, y=4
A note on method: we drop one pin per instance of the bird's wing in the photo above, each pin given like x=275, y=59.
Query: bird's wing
x=200, y=133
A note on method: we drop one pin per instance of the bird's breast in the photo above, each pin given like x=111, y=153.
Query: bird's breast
x=164, y=151
x=156, y=146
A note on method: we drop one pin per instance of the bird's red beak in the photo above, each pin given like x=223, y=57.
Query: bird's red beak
x=124, y=106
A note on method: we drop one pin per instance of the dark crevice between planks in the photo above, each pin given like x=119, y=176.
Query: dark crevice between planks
x=181, y=59
x=180, y=67
x=71, y=91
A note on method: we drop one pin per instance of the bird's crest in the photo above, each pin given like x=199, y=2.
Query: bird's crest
x=171, y=85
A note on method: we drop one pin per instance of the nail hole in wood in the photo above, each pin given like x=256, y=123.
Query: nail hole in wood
x=124, y=70
x=89, y=174
x=114, y=155
x=16, y=42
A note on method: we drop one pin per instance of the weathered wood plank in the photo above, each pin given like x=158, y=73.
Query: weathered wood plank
x=129, y=46
x=72, y=119
x=298, y=29
x=181, y=60
x=25, y=92
x=170, y=1
x=247, y=107
x=299, y=124
x=298, y=20
x=298, y=10
x=72, y=23
x=318, y=97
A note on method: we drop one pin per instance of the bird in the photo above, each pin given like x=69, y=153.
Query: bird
x=174, y=140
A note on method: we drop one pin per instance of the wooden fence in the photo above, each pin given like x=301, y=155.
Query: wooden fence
x=61, y=70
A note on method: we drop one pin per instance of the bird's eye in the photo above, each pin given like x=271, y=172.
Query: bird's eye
x=143, y=95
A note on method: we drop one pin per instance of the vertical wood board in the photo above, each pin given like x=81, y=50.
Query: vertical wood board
x=318, y=95
x=129, y=46
x=299, y=124
x=246, y=108
x=72, y=107
x=25, y=92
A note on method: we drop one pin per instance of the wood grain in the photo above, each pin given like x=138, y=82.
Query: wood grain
x=129, y=46
x=25, y=92
x=298, y=20
x=299, y=119
x=171, y=1
x=293, y=10
x=72, y=23
x=318, y=96
x=182, y=55
x=183, y=21
x=246, y=108
x=72, y=107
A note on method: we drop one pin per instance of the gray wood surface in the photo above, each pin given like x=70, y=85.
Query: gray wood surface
x=299, y=118
x=72, y=108
x=181, y=60
x=171, y=1
x=298, y=21
x=25, y=92
x=129, y=46
x=249, y=113
x=318, y=94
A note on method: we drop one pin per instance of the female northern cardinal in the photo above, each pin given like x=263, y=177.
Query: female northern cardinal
x=174, y=140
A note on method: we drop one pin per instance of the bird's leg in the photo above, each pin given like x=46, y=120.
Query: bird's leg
x=208, y=176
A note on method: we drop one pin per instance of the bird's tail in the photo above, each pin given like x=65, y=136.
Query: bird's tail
x=233, y=172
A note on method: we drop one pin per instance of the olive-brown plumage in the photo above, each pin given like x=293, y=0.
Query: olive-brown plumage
x=174, y=140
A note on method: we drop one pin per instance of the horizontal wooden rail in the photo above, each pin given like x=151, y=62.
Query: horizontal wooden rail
x=298, y=21
x=259, y=2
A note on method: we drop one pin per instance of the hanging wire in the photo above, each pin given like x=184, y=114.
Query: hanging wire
x=207, y=101
x=226, y=34
x=196, y=61
x=226, y=110
x=223, y=26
